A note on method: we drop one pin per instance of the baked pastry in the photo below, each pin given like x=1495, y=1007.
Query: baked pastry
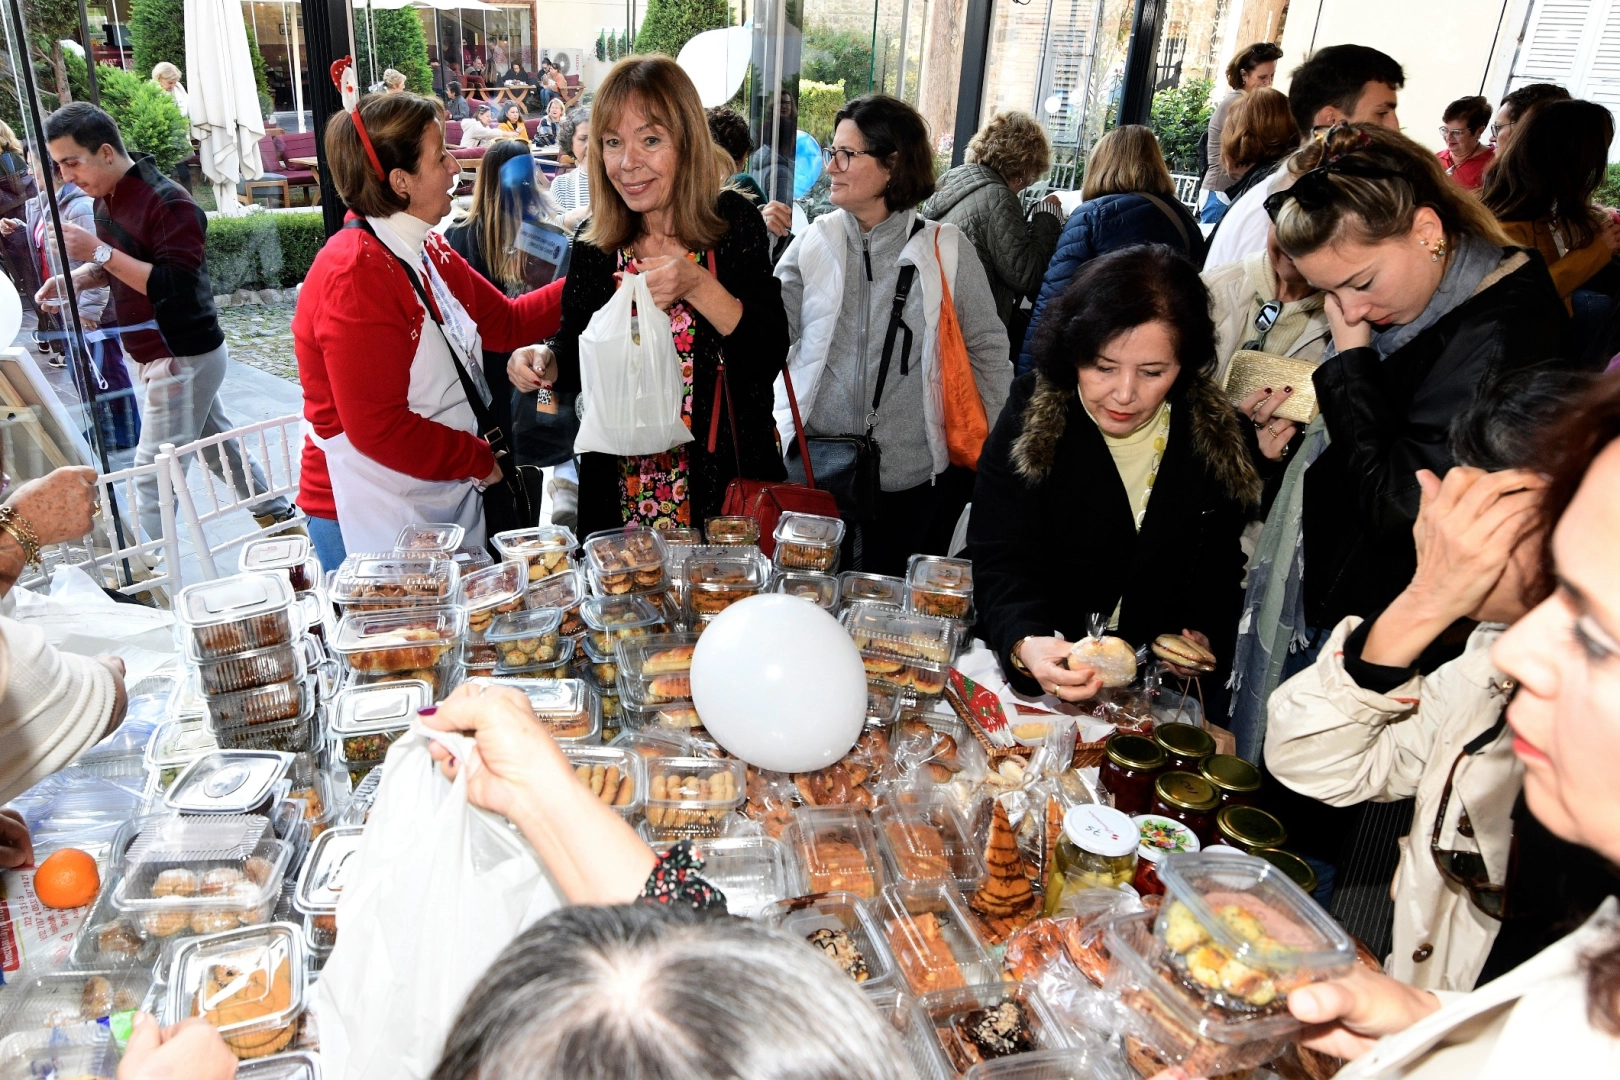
x=666, y=688
x=1111, y=658
x=919, y=850
x=219, y=881
x=399, y=649
x=714, y=793
x=1029, y=951
x=983, y=1034
x=923, y=955
x=840, y=948
x=1184, y=652
x=1212, y=968
x=669, y=661
x=177, y=881
x=252, y=996
x=1005, y=899
x=607, y=783
x=839, y=866
x=118, y=941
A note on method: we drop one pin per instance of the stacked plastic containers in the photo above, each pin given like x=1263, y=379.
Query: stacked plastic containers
x=401, y=621
x=320, y=887
x=490, y=594
x=904, y=650
x=365, y=721
x=625, y=561
x=940, y=587
x=807, y=542
x=655, y=682
x=544, y=550
x=714, y=580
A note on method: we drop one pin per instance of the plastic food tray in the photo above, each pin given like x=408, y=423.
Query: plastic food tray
x=622, y=561
x=264, y=997
x=288, y=555
x=616, y=774
x=565, y=592
x=931, y=935
x=233, y=856
x=855, y=587
x=390, y=642
x=235, y=615
x=941, y=1010
x=544, y=550
x=569, y=711
x=491, y=592
x=835, y=850
x=438, y=539
x=277, y=702
x=808, y=542
x=527, y=638
x=1091, y=1063
x=362, y=716
x=287, y=737
x=750, y=870
x=61, y=998
x=245, y=671
x=927, y=841
x=803, y=916
x=326, y=869
x=883, y=704
x=899, y=1010
x=395, y=580
x=297, y=1065
x=608, y=619
x=940, y=587
x=691, y=796
x=714, y=583
x=655, y=671
x=679, y=720
x=737, y=530
x=557, y=667
x=820, y=589
x=229, y=782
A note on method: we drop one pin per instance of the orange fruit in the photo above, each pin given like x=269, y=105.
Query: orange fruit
x=67, y=879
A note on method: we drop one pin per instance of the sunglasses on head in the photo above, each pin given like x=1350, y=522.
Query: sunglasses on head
x=1315, y=189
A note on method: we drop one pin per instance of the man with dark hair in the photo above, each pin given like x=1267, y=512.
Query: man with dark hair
x=149, y=248
x=729, y=130
x=1337, y=84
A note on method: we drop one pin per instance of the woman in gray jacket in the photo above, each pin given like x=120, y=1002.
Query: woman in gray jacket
x=980, y=197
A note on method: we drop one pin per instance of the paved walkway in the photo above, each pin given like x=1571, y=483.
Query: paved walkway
x=260, y=336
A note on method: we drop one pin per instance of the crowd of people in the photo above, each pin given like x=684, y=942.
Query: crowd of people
x=1399, y=559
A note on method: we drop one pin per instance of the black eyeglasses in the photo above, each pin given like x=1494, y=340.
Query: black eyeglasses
x=842, y=157
x=1315, y=190
x=1467, y=869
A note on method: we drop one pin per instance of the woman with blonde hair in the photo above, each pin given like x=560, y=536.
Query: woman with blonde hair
x=167, y=76
x=980, y=197
x=393, y=82
x=657, y=209
x=1129, y=199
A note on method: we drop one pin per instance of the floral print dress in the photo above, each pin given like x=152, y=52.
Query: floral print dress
x=654, y=489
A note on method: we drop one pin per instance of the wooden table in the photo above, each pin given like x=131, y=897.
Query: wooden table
x=313, y=164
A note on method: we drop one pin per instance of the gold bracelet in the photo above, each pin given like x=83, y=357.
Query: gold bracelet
x=21, y=531
x=1018, y=661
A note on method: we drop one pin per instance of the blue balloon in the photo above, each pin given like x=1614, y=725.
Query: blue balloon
x=806, y=164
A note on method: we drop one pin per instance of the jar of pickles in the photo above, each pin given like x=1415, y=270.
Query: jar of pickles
x=1185, y=746
x=1130, y=764
x=1248, y=828
x=1189, y=799
x=1158, y=838
x=1237, y=783
x=1096, y=851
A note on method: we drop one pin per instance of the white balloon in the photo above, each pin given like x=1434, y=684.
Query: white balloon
x=780, y=684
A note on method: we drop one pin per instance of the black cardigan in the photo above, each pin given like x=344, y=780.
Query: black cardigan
x=754, y=354
x=1389, y=418
x=1053, y=540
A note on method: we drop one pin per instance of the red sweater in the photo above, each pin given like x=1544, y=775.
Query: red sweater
x=355, y=335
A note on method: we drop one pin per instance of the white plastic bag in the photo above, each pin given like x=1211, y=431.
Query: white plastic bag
x=630, y=378
x=436, y=889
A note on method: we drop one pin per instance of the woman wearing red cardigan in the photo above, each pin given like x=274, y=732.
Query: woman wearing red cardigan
x=393, y=438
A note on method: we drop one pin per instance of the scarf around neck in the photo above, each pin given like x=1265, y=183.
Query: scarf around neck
x=1472, y=259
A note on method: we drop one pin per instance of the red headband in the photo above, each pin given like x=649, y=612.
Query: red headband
x=349, y=91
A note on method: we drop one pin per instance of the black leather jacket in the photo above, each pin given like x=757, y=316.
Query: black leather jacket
x=1389, y=418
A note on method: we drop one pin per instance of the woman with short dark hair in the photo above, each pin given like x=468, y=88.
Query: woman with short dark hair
x=840, y=278
x=1117, y=482
x=1466, y=157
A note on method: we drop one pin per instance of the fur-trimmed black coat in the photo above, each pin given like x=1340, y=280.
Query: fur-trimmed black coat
x=1053, y=540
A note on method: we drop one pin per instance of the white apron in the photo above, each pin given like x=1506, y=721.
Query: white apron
x=375, y=502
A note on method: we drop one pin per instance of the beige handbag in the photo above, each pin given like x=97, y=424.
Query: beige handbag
x=1252, y=370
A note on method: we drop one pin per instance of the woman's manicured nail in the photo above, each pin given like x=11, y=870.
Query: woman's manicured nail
x=1288, y=389
x=1268, y=389
x=427, y=710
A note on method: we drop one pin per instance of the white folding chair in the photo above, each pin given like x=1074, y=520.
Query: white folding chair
x=113, y=553
x=275, y=445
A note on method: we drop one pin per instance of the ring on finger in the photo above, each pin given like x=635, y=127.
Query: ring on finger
x=1272, y=429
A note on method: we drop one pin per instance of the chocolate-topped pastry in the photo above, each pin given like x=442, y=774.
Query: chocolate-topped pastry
x=840, y=948
x=999, y=1031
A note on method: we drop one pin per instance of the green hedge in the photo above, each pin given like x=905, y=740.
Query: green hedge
x=818, y=104
x=263, y=251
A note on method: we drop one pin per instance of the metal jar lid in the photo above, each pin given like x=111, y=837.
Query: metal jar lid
x=1186, y=791
x=1230, y=773
x=1249, y=827
x=1298, y=870
x=1133, y=751
x=1184, y=740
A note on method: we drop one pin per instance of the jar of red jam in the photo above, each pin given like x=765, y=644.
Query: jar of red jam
x=1185, y=746
x=1159, y=837
x=1189, y=799
x=1236, y=781
x=1130, y=764
x=1248, y=828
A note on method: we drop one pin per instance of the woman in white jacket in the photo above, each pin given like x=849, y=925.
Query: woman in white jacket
x=1362, y=724
x=840, y=280
x=1558, y=1013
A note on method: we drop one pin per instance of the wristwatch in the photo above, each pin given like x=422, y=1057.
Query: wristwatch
x=102, y=254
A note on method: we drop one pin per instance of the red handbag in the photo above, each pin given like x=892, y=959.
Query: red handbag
x=767, y=500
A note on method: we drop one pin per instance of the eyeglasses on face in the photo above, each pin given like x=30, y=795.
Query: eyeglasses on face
x=841, y=156
x=1497, y=129
x=1453, y=133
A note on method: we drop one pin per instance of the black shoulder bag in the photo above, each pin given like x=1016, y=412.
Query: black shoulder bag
x=849, y=465
x=514, y=503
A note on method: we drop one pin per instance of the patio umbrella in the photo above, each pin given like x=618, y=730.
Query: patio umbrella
x=225, y=116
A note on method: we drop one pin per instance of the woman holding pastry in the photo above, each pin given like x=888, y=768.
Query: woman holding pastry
x=1114, y=487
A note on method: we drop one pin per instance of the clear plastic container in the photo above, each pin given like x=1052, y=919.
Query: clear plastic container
x=296, y=1065
x=883, y=705
x=714, y=583
x=367, y=719
x=249, y=983
x=681, y=536
x=990, y=1022
x=236, y=615
x=615, y=774
x=931, y=936
x=655, y=671
x=394, y=580
x=855, y=587
x=201, y=875
x=691, y=796
x=750, y=870
x=358, y=809
x=609, y=619
x=492, y=592
x=600, y=669
x=1179, y=1025
x=926, y=840
x=565, y=592
x=820, y=589
x=393, y=642
x=228, y=782
x=288, y=555
x=543, y=550
x=940, y=587
x=899, y=1010
x=843, y=928
x=629, y=560
x=295, y=736
x=736, y=530
x=431, y=538
x=175, y=745
x=559, y=666
x=1241, y=929
x=654, y=743
x=566, y=708
x=326, y=870
x=245, y=671
x=469, y=559
x=62, y=998
x=1090, y=1063
x=906, y=650
x=525, y=639
x=808, y=542
x=835, y=850
x=82, y=1051
x=279, y=702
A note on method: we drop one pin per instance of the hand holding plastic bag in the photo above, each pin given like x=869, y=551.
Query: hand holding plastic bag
x=630, y=377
